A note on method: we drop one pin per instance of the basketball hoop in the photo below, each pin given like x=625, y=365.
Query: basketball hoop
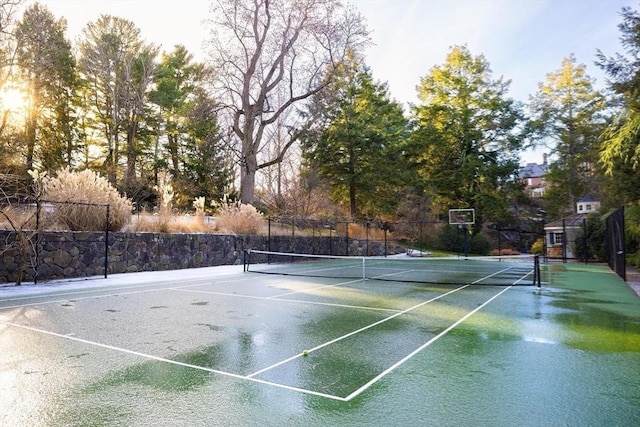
x=462, y=216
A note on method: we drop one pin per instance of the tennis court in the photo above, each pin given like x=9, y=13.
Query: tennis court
x=220, y=346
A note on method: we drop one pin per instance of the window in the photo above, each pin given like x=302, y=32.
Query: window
x=557, y=238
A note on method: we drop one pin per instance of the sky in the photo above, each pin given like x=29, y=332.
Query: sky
x=523, y=40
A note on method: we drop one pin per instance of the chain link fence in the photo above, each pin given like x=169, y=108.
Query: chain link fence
x=31, y=241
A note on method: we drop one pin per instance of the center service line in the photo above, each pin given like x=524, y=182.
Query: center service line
x=423, y=346
x=354, y=332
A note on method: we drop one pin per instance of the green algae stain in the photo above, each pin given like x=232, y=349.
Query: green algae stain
x=599, y=339
x=165, y=376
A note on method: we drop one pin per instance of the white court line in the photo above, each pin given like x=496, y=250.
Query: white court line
x=173, y=362
x=251, y=376
x=422, y=347
x=114, y=292
x=113, y=288
x=297, y=301
x=496, y=273
x=356, y=331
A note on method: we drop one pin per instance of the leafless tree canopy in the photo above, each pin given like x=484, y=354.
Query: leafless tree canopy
x=269, y=56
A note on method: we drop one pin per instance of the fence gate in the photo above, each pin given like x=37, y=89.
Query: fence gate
x=615, y=242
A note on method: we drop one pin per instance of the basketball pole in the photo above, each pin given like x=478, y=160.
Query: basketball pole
x=466, y=240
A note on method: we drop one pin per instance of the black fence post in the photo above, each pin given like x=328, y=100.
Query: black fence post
x=269, y=234
x=106, y=245
x=385, y=241
x=38, y=239
x=366, y=237
x=615, y=243
x=330, y=241
x=347, y=236
x=536, y=271
x=564, y=241
x=585, y=241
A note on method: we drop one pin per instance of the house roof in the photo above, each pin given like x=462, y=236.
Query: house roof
x=532, y=170
x=587, y=198
x=572, y=221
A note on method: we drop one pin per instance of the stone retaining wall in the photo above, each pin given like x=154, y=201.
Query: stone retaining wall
x=73, y=254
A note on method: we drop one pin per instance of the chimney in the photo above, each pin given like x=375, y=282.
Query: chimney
x=544, y=159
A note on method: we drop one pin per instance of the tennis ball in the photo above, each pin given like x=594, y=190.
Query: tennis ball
x=304, y=353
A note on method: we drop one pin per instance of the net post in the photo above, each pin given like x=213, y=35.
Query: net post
x=364, y=273
x=536, y=271
x=245, y=260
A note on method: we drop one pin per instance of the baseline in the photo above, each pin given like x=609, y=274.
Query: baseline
x=173, y=362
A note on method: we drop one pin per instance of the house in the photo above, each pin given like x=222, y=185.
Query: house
x=532, y=174
x=588, y=205
x=561, y=235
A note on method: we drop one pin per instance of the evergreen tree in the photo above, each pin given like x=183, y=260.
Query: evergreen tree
x=47, y=68
x=118, y=68
x=568, y=116
x=357, y=146
x=620, y=149
x=465, y=142
x=191, y=148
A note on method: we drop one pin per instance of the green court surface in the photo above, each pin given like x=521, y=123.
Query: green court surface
x=219, y=346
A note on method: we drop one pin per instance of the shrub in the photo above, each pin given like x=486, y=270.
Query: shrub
x=239, y=218
x=478, y=244
x=538, y=247
x=79, y=192
x=359, y=231
x=451, y=239
x=633, y=260
x=146, y=222
x=593, y=246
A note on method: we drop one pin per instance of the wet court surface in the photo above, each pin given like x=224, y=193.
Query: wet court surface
x=217, y=346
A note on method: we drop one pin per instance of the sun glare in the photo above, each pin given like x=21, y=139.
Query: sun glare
x=12, y=99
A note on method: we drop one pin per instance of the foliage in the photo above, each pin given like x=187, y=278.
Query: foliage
x=146, y=222
x=238, y=218
x=620, y=148
x=193, y=152
x=307, y=196
x=538, y=247
x=48, y=73
x=78, y=193
x=632, y=233
x=568, y=117
x=362, y=131
x=165, y=206
x=451, y=239
x=118, y=69
x=466, y=140
x=593, y=246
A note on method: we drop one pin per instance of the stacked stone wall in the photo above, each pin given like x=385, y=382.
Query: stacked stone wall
x=74, y=254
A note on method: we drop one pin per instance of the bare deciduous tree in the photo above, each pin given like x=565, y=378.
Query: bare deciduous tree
x=271, y=55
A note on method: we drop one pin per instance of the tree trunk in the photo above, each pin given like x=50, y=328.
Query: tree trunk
x=248, y=178
x=132, y=156
x=352, y=199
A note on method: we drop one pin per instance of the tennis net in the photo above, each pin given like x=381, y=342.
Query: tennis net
x=489, y=270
